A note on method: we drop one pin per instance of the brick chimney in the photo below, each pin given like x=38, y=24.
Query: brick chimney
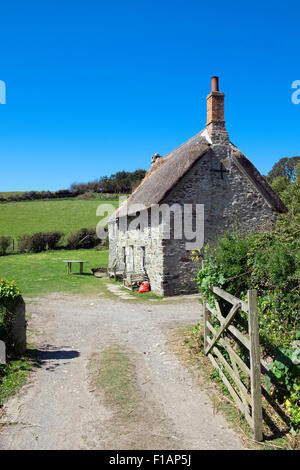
x=215, y=111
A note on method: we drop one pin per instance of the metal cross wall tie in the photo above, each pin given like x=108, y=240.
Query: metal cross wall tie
x=222, y=170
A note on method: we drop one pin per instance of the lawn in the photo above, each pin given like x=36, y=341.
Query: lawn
x=43, y=273
x=65, y=215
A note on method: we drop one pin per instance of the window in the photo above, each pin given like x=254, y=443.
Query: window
x=143, y=256
x=131, y=258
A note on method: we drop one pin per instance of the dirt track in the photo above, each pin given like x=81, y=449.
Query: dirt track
x=60, y=409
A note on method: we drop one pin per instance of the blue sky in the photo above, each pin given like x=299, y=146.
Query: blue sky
x=95, y=87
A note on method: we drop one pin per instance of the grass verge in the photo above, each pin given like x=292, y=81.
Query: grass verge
x=135, y=423
x=115, y=377
x=13, y=375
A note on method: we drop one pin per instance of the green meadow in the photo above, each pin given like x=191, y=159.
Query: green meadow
x=65, y=215
x=10, y=193
x=39, y=274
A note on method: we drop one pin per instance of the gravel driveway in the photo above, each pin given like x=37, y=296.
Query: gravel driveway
x=59, y=408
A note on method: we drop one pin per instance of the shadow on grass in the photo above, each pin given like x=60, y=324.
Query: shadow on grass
x=81, y=274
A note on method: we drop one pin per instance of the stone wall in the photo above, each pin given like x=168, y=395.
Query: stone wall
x=230, y=200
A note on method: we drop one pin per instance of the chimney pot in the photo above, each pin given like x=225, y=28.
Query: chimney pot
x=155, y=157
x=214, y=83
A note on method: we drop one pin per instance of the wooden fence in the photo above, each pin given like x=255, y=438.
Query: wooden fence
x=2, y=353
x=242, y=378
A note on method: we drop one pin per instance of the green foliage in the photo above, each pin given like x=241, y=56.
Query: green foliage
x=9, y=295
x=231, y=255
x=285, y=378
x=270, y=263
x=280, y=184
x=284, y=167
x=121, y=182
x=18, y=196
x=209, y=275
x=278, y=318
x=9, y=292
x=39, y=242
x=291, y=195
x=225, y=265
x=84, y=238
x=5, y=243
x=53, y=239
x=275, y=265
x=13, y=375
x=288, y=187
x=33, y=243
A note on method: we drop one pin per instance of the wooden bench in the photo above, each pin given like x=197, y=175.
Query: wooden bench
x=133, y=280
x=70, y=261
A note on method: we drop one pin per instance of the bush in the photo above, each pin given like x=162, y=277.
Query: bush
x=284, y=378
x=39, y=242
x=24, y=243
x=38, y=195
x=270, y=263
x=87, y=195
x=5, y=243
x=33, y=243
x=84, y=238
x=9, y=295
x=53, y=239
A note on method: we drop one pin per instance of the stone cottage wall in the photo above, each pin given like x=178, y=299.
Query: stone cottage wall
x=228, y=202
x=229, y=199
x=134, y=241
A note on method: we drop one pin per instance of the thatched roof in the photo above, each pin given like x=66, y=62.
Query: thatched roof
x=167, y=171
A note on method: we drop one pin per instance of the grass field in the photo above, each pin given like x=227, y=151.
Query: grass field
x=65, y=215
x=44, y=273
x=11, y=193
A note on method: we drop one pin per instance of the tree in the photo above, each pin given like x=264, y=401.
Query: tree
x=122, y=182
x=289, y=190
x=291, y=195
x=285, y=167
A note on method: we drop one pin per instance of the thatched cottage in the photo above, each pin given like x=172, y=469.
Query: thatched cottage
x=207, y=171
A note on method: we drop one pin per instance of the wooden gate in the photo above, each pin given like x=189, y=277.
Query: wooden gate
x=242, y=378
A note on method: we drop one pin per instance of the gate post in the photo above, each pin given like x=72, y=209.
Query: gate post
x=205, y=318
x=256, y=403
